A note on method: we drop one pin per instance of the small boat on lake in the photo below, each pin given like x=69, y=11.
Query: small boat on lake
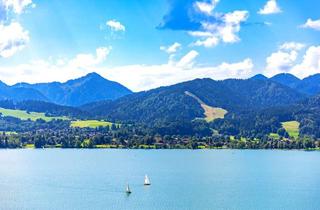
x=146, y=180
x=128, y=191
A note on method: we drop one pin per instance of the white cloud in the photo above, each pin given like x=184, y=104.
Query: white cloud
x=225, y=31
x=144, y=77
x=310, y=64
x=211, y=41
x=271, y=7
x=200, y=33
x=89, y=60
x=13, y=38
x=285, y=60
x=136, y=77
x=187, y=61
x=55, y=69
x=115, y=25
x=238, y=70
x=172, y=48
x=17, y=6
x=280, y=62
x=206, y=7
x=313, y=24
x=292, y=46
x=232, y=26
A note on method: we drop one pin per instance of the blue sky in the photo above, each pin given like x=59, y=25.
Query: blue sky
x=144, y=44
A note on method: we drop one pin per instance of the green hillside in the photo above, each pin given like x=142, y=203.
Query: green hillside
x=172, y=104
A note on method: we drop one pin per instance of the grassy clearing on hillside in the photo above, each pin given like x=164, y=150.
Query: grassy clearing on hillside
x=210, y=112
x=90, y=123
x=292, y=127
x=24, y=115
x=213, y=113
x=274, y=136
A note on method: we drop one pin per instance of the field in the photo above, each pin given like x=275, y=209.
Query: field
x=213, y=113
x=90, y=123
x=292, y=127
x=274, y=136
x=24, y=115
x=210, y=112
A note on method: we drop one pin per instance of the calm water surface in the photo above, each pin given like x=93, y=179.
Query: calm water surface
x=181, y=179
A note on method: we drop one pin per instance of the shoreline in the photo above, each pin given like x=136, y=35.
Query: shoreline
x=234, y=149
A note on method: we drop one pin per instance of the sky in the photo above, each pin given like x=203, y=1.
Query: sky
x=145, y=44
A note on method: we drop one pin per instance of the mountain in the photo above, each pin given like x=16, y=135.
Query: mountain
x=89, y=88
x=310, y=85
x=259, y=77
x=173, y=104
x=286, y=79
x=19, y=93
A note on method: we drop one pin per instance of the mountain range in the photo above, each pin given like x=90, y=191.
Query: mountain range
x=96, y=97
x=248, y=107
x=173, y=104
x=89, y=88
x=309, y=85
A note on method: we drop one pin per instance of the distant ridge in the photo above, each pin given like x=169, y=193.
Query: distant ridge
x=93, y=88
x=309, y=85
x=259, y=77
x=286, y=79
x=86, y=89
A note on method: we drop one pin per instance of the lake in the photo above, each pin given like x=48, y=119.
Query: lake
x=181, y=179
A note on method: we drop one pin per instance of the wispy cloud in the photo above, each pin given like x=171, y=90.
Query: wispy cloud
x=206, y=7
x=172, y=48
x=313, y=24
x=136, y=76
x=13, y=38
x=115, y=25
x=59, y=69
x=292, y=46
x=85, y=61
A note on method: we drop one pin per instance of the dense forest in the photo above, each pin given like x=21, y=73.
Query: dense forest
x=191, y=135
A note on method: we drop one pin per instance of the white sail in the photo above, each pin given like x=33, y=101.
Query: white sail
x=146, y=180
x=128, y=189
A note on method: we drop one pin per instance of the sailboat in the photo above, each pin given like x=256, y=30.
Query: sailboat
x=146, y=180
x=128, y=191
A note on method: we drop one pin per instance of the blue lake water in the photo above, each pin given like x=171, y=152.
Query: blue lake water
x=181, y=179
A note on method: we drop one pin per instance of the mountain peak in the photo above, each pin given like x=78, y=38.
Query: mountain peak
x=259, y=77
x=286, y=79
x=93, y=75
x=312, y=77
x=285, y=75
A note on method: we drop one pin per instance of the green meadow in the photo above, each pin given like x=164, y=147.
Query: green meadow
x=24, y=115
x=292, y=127
x=90, y=123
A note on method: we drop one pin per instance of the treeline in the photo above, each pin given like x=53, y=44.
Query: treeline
x=129, y=136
